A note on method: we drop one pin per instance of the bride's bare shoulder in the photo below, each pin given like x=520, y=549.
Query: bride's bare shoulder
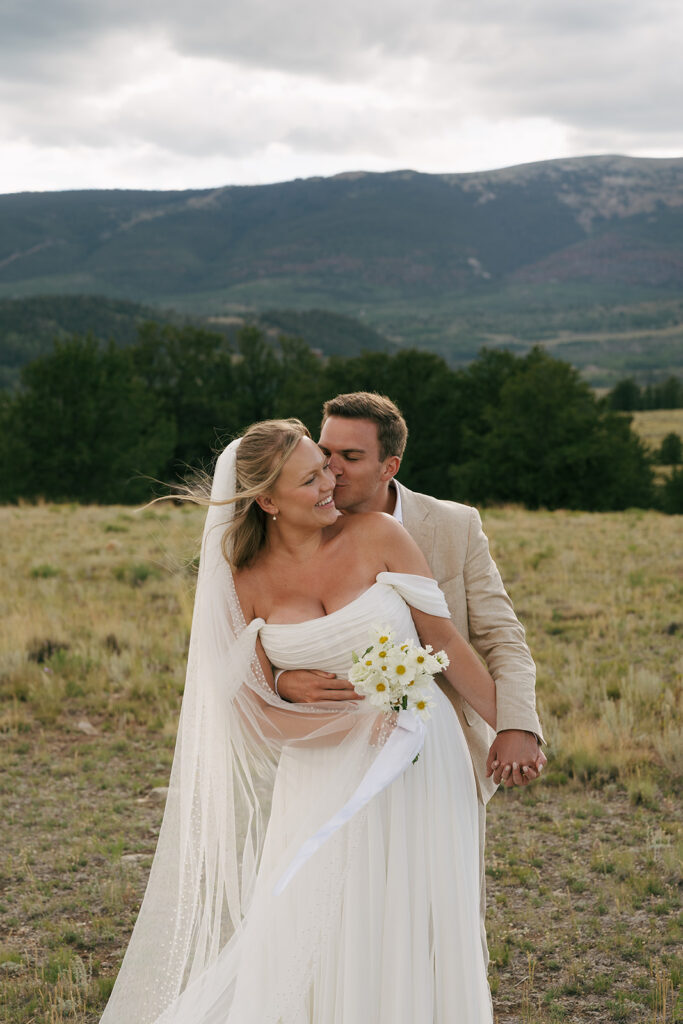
x=383, y=538
x=372, y=525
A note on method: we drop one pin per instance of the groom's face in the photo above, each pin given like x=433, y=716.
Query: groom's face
x=362, y=478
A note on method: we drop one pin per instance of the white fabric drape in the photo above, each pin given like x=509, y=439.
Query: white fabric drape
x=231, y=734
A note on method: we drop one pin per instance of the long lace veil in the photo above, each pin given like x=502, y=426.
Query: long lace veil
x=209, y=868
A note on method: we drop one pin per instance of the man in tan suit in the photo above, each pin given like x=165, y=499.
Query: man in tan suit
x=364, y=437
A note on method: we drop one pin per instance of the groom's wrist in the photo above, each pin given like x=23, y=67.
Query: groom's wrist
x=529, y=732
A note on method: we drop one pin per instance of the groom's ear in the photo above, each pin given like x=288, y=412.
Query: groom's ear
x=390, y=467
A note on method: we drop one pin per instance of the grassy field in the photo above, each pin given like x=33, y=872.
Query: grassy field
x=582, y=867
x=652, y=425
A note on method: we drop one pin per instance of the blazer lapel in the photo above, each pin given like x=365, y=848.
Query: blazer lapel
x=417, y=521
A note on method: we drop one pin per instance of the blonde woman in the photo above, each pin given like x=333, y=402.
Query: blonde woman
x=281, y=891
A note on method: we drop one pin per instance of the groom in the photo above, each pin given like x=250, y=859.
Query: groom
x=364, y=436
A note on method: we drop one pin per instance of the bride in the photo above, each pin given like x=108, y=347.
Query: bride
x=309, y=870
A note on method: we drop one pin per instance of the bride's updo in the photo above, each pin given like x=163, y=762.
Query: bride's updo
x=263, y=451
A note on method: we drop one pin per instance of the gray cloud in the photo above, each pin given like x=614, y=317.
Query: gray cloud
x=305, y=35
x=235, y=79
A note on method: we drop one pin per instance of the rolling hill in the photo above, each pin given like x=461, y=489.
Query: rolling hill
x=28, y=327
x=584, y=255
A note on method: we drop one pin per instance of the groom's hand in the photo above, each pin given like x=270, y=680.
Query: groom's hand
x=301, y=686
x=515, y=758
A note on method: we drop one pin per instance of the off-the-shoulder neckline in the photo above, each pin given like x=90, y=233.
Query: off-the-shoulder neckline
x=328, y=615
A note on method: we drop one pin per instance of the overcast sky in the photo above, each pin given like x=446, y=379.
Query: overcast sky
x=200, y=93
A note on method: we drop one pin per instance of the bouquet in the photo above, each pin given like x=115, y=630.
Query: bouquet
x=397, y=676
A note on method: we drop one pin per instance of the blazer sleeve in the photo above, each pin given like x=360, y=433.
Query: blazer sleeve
x=498, y=635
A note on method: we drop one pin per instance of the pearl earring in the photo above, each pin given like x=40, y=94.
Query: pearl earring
x=274, y=519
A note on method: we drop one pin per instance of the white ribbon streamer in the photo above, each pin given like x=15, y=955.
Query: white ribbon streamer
x=400, y=750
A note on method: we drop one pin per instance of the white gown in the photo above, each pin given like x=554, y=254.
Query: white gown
x=393, y=897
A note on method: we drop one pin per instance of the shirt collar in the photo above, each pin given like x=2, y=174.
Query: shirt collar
x=398, y=508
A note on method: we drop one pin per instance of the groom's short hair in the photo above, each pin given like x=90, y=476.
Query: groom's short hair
x=392, y=432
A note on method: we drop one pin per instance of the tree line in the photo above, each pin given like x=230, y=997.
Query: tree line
x=628, y=396
x=98, y=424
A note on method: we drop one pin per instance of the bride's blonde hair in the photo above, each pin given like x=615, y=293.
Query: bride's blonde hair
x=263, y=451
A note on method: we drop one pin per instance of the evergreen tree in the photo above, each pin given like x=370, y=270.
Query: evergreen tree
x=625, y=396
x=545, y=441
x=93, y=424
x=670, y=393
x=81, y=429
x=257, y=378
x=188, y=372
x=671, y=450
x=302, y=384
x=672, y=493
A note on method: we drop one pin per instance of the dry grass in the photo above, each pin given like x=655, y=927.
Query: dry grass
x=652, y=425
x=600, y=595
x=95, y=612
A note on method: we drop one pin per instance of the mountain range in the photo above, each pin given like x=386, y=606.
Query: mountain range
x=584, y=255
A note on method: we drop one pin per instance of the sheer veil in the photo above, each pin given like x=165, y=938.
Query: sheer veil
x=212, y=862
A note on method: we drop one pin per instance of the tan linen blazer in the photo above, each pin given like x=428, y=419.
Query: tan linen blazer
x=451, y=537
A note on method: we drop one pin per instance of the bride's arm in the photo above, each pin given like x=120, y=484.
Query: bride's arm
x=291, y=723
x=466, y=673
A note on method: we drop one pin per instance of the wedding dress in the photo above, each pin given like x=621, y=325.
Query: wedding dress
x=398, y=930
x=381, y=924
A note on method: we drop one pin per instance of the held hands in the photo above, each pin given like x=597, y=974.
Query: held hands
x=515, y=758
x=301, y=686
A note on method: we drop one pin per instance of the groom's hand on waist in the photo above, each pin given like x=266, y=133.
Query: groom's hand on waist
x=304, y=686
